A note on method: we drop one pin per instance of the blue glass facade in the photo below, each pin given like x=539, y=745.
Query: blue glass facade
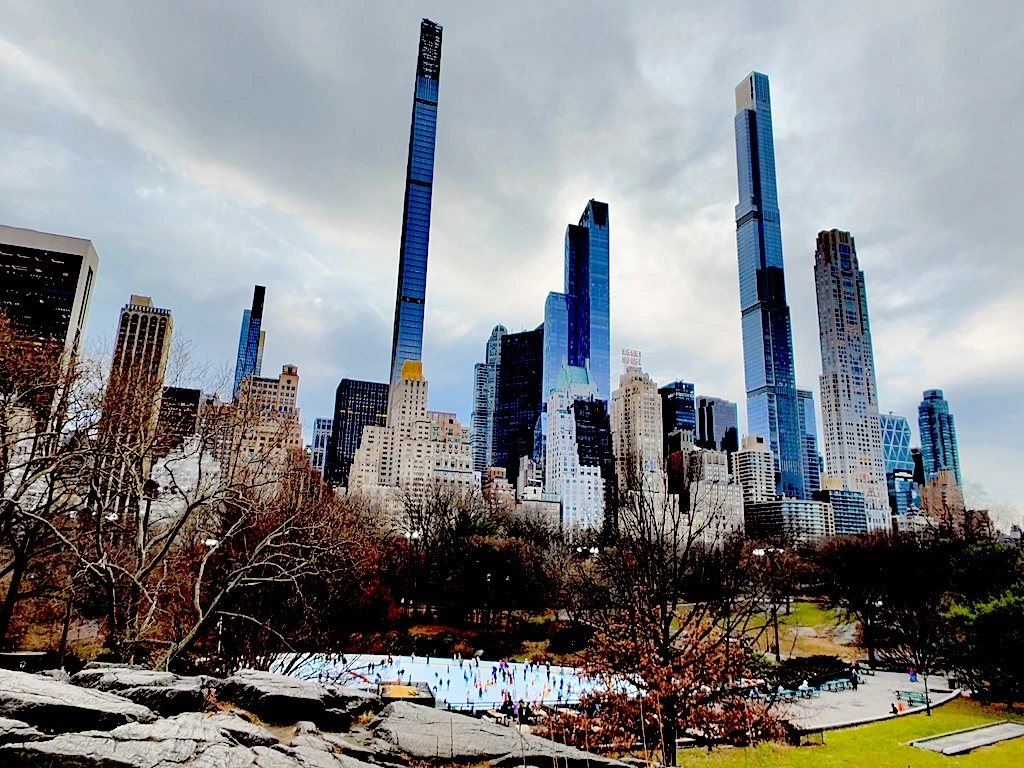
x=556, y=339
x=587, y=287
x=419, y=183
x=772, y=410
x=809, y=437
x=850, y=509
x=717, y=424
x=250, y=352
x=899, y=463
x=678, y=410
x=938, y=436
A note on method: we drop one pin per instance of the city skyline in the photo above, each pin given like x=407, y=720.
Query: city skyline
x=331, y=292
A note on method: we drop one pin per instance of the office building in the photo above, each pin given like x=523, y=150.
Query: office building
x=716, y=499
x=178, y=418
x=717, y=424
x=322, y=430
x=941, y=497
x=938, y=436
x=411, y=297
x=636, y=422
x=249, y=360
x=899, y=463
x=796, y=521
x=678, y=412
x=849, y=394
x=587, y=288
x=809, y=436
x=556, y=340
x=579, y=464
x=518, y=398
x=485, y=390
x=849, y=508
x=357, y=404
x=46, y=285
x=772, y=409
x=417, y=450
x=754, y=469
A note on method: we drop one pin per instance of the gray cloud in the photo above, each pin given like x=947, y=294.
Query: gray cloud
x=206, y=147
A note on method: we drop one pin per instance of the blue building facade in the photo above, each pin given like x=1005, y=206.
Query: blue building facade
x=556, y=339
x=899, y=463
x=249, y=360
x=850, y=509
x=772, y=409
x=587, y=285
x=678, y=410
x=717, y=424
x=938, y=436
x=809, y=439
x=419, y=183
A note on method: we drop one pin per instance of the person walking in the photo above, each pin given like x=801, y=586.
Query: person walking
x=854, y=680
x=913, y=675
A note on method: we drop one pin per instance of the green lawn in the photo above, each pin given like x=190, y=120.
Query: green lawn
x=882, y=745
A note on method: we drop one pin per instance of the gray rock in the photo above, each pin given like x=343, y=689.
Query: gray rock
x=57, y=707
x=275, y=698
x=190, y=740
x=57, y=674
x=16, y=730
x=121, y=678
x=245, y=733
x=184, y=695
x=427, y=733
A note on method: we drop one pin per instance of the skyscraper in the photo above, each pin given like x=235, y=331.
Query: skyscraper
x=249, y=360
x=357, y=404
x=322, y=429
x=899, y=463
x=637, y=433
x=556, y=340
x=809, y=438
x=717, y=424
x=419, y=184
x=754, y=470
x=768, y=366
x=46, y=284
x=849, y=394
x=938, y=436
x=518, y=398
x=678, y=411
x=587, y=292
x=485, y=384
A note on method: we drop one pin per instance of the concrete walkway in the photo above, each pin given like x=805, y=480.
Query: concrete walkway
x=872, y=700
x=960, y=742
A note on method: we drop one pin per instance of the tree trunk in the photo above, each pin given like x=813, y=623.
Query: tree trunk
x=668, y=731
x=11, y=598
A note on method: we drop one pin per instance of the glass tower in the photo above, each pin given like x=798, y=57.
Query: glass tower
x=809, y=436
x=587, y=292
x=485, y=384
x=899, y=463
x=938, y=436
x=772, y=410
x=678, y=412
x=556, y=339
x=250, y=341
x=717, y=424
x=518, y=398
x=419, y=183
x=357, y=404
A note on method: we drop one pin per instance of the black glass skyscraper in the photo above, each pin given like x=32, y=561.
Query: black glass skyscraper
x=772, y=410
x=518, y=398
x=357, y=404
x=419, y=184
x=678, y=411
x=587, y=296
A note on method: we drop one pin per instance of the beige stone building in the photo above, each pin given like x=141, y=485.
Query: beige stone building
x=637, y=435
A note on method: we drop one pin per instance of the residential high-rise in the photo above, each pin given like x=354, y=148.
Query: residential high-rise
x=849, y=394
x=637, y=433
x=772, y=409
x=678, y=411
x=717, y=424
x=938, y=436
x=410, y=302
x=357, y=404
x=587, y=287
x=849, y=507
x=322, y=429
x=519, y=402
x=716, y=499
x=249, y=361
x=899, y=463
x=485, y=387
x=809, y=436
x=46, y=284
x=754, y=469
x=803, y=521
x=178, y=418
x=579, y=461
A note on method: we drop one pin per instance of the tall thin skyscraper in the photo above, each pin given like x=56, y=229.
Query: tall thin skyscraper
x=518, y=396
x=849, y=394
x=419, y=185
x=768, y=367
x=938, y=436
x=485, y=386
x=249, y=360
x=322, y=429
x=809, y=437
x=587, y=290
x=556, y=340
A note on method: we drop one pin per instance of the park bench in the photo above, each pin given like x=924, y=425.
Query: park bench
x=837, y=685
x=810, y=692
x=784, y=695
x=912, y=698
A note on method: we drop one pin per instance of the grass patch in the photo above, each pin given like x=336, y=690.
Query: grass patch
x=880, y=745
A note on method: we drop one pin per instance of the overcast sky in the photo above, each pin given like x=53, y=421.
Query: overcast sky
x=206, y=147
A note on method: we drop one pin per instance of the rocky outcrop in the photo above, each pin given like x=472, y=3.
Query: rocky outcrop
x=191, y=740
x=165, y=693
x=274, y=698
x=16, y=730
x=57, y=707
x=121, y=678
x=426, y=733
